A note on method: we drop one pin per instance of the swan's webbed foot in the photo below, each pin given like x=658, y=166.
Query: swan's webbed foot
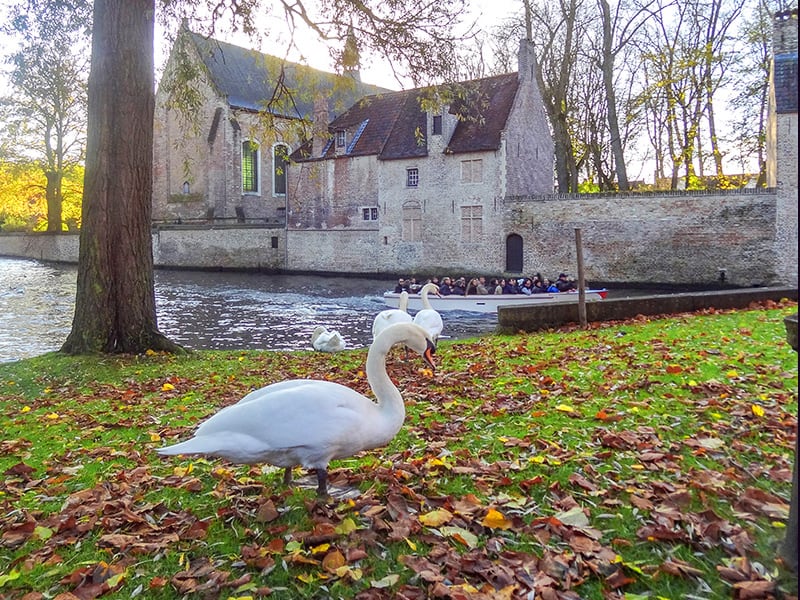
x=322, y=483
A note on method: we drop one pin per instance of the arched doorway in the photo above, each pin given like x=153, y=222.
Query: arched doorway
x=514, y=253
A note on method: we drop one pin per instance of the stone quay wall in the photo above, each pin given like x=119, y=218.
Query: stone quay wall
x=742, y=239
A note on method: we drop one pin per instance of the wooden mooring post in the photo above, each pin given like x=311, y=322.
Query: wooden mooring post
x=581, y=281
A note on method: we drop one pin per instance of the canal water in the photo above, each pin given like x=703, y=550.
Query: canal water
x=208, y=310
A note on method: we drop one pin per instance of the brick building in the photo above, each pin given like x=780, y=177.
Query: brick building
x=226, y=120
x=377, y=185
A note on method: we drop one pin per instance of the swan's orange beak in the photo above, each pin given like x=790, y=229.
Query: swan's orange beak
x=428, y=355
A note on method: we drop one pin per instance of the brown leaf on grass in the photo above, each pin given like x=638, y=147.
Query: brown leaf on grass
x=679, y=568
x=729, y=574
x=17, y=534
x=580, y=544
x=753, y=590
x=581, y=481
x=267, y=512
x=20, y=470
x=427, y=570
x=759, y=501
x=203, y=577
x=333, y=560
x=135, y=544
x=618, y=579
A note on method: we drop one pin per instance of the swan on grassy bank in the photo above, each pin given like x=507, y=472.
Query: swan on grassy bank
x=323, y=340
x=428, y=318
x=391, y=316
x=311, y=422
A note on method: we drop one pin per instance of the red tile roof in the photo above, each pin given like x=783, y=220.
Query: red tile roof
x=393, y=125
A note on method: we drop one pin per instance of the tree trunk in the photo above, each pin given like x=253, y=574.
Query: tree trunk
x=53, y=195
x=115, y=302
x=607, y=68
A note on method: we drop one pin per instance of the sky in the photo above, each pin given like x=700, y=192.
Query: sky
x=486, y=12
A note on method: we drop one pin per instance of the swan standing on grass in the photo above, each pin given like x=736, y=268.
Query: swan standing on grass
x=391, y=316
x=310, y=422
x=327, y=341
x=428, y=318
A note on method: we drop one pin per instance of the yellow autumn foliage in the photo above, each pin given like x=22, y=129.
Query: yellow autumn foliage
x=23, y=205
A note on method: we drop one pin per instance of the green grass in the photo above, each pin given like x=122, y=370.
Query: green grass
x=646, y=458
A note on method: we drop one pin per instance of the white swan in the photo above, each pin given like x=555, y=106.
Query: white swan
x=391, y=316
x=428, y=318
x=310, y=422
x=327, y=341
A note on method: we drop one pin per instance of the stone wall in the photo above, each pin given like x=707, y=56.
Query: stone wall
x=678, y=237
x=256, y=248
x=674, y=238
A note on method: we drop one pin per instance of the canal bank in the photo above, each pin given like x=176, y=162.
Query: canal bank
x=512, y=319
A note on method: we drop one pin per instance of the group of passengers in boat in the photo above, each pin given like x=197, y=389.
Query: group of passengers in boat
x=498, y=285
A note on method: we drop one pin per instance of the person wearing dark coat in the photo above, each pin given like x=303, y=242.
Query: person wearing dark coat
x=563, y=284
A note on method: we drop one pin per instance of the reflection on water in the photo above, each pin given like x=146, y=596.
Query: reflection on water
x=203, y=310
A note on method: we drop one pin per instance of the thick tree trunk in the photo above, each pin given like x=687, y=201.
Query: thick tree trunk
x=607, y=68
x=115, y=302
x=53, y=195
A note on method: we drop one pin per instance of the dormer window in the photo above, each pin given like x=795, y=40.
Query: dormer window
x=341, y=138
x=437, y=124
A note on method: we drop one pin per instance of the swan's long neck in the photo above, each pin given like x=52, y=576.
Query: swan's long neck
x=390, y=406
x=403, y=304
x=426, y=304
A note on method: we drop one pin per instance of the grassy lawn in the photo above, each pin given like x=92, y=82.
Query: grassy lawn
x=650, y=458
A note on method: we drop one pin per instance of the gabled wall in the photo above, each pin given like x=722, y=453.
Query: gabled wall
x=205, y=151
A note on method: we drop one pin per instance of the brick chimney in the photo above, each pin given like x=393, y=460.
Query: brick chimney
x=319, y=128
x=527, y=61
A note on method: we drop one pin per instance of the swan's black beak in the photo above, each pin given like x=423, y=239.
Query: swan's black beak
x=428, y=355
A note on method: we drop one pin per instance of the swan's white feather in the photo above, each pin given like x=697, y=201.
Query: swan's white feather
x=324, y=340
x=428, y=318
x=310, y=422
x=391, y=316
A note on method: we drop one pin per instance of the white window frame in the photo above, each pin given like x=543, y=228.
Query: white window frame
x=412, y=222
x=369, y=213
x=472, y=223
x=412, y=177
x=341, y=138
x=472, y=170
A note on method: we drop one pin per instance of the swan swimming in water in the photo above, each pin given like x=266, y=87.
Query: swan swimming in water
x=327, y=341
x=428, y=318
x=390, y=316
x=311, y=422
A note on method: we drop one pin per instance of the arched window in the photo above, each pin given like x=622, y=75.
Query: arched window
x=250, y=162
x=412, y=222
x=514, y=253
x=185, y=187
x=280, y=159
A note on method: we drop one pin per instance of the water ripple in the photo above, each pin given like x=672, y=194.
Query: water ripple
x=204, y=310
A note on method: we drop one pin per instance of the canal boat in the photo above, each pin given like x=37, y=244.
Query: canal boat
x=488, y=303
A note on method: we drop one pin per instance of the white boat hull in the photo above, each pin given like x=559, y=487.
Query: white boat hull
x=489, y=303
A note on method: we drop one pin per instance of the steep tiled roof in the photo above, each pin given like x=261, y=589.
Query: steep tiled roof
x=394, y=126
x=250, y=79
x=487, y=106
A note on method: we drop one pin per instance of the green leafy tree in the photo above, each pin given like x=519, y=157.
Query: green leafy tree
x=44, y=115
x=23, y=196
